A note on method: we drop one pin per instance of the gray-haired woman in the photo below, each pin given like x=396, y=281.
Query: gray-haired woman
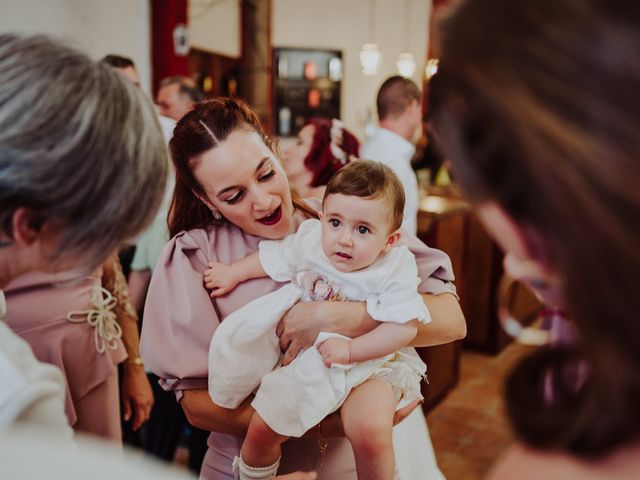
x=82, y=167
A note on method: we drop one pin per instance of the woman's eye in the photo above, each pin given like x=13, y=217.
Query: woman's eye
x=363, y=230
x=334, y=223
x=267, y=175
x=235, y=199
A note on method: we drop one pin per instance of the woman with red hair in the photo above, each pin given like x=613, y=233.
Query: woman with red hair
x=322, y=148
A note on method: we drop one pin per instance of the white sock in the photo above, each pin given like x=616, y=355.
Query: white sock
x=242, y=471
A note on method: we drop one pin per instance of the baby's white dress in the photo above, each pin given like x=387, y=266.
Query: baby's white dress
x=245, y=352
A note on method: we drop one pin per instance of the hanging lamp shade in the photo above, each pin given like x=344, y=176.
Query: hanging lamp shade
x=370, y=58
x=406, y=64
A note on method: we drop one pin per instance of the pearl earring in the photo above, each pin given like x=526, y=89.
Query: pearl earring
x=217, y=216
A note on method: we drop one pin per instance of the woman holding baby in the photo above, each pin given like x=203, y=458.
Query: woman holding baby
x=231, y=192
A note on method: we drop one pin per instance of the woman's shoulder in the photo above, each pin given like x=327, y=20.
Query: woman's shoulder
x=527, y=464
x=224, y=243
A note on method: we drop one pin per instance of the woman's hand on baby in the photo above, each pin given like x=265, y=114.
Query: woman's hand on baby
x=335, y=350
x=219, y=278
x=299, y=328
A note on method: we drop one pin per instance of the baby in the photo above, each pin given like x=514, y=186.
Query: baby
x=351, y=253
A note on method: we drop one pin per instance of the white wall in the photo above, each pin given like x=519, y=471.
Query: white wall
x=97, y=27
x=343, y=25
x=214, y=25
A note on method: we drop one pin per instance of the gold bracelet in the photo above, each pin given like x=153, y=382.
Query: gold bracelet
x=134, y=361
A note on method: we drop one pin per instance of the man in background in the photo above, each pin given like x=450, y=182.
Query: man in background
x=177, y=96
x=124, y=66
x=399, y=115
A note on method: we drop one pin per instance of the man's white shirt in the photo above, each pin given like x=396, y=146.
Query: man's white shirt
x=396, y=153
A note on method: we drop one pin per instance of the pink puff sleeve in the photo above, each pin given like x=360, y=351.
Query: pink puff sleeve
x=434, y=267
x=179, y=315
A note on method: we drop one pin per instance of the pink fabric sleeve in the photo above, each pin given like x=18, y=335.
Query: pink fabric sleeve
x=434, y=267
x=179, y=315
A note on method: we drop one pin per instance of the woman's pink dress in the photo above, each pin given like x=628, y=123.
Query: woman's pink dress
x=180, y=319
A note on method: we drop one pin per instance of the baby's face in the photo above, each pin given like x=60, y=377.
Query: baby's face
x=355, y=230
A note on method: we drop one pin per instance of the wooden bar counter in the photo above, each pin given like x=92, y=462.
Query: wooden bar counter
x=442, y=223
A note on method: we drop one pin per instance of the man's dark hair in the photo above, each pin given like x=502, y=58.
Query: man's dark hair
x=117, y=61
x=395, y=95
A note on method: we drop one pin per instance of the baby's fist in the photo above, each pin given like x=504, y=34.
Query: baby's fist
x=335, y=350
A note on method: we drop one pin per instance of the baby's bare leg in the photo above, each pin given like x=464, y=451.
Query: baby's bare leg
x=261, y=446
x=367, y=417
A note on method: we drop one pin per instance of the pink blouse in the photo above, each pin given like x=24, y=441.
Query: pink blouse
x=39, y=306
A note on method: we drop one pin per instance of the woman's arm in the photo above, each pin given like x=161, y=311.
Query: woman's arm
x=301, y=325
x=201, y=412
x=137, y=396
x=138, y=284
x=447, y=321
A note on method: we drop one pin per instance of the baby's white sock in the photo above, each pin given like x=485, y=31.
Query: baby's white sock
x=242, y=471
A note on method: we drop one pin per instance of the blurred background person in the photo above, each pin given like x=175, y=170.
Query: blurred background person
x=322, y=147
x=177, y=95
x=124, y=66
x=77, y=220
x=399, y=115
x=545, y=143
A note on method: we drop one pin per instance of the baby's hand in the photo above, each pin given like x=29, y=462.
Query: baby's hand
x=219, y=278
x=335, y=350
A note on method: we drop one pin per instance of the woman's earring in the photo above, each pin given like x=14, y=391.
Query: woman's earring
x=509, y=290
x=217, y=216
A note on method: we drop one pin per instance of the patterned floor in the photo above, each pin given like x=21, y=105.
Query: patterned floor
x=468, y=429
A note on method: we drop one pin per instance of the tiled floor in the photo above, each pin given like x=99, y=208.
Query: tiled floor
x=468, y=429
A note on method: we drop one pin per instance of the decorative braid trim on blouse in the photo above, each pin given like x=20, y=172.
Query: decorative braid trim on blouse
x=101, y=318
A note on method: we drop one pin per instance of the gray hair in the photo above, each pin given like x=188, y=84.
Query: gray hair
x=79, y=146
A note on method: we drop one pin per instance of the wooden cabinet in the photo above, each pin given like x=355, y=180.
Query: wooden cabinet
x=483, y=269
x=449, y=224
x=442, y=223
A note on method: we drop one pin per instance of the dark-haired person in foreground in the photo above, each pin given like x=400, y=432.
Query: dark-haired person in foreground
x=536, y=106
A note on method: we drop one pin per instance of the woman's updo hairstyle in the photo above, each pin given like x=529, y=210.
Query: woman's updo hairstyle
x=200, y=130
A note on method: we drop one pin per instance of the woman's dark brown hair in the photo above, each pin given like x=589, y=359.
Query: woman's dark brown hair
x=537, y=106
x=200, y=130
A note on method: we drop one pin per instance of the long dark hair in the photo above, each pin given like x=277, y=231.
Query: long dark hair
x=536, y=105
x=200, y=130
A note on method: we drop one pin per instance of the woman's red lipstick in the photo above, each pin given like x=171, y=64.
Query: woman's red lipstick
x=273, y=218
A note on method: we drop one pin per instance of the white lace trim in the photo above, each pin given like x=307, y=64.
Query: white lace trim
x=101, y=318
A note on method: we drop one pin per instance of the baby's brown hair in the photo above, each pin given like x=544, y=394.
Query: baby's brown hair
x=369, y=179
